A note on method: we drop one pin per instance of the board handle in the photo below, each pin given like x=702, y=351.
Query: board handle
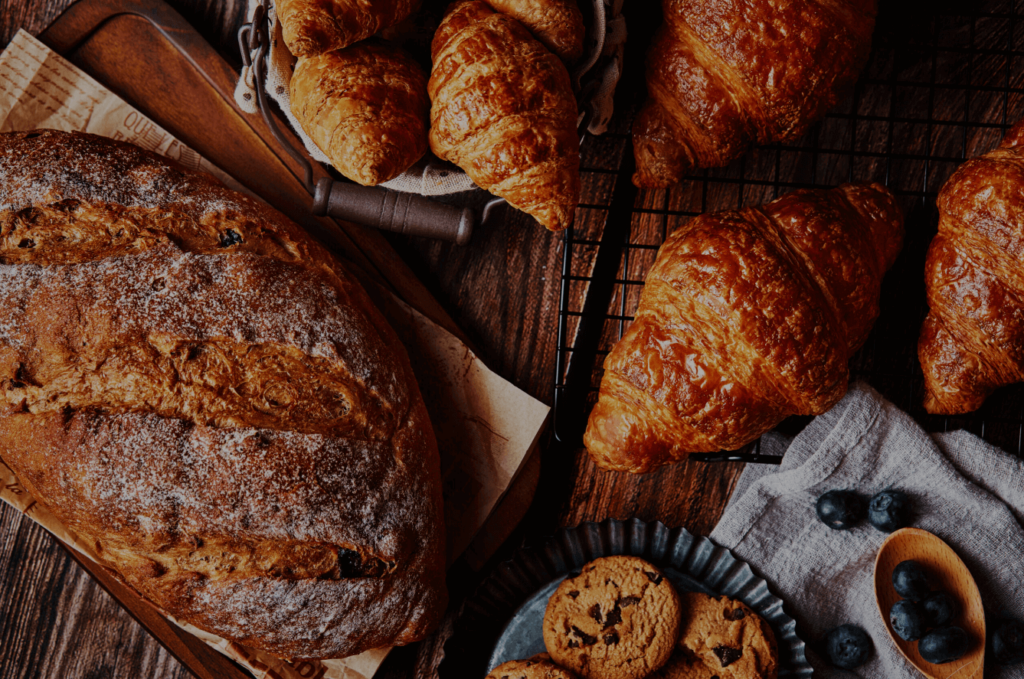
x=404, y=213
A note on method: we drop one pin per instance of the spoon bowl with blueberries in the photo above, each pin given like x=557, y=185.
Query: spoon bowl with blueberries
x=931, y=605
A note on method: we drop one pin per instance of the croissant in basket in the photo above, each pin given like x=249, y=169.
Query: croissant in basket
x=211, y=403
x=558, y=24
x=972, y=341
x=722, y=75
x=503, y=110
x=366, y=107
x=746, y=318
x=313, y=27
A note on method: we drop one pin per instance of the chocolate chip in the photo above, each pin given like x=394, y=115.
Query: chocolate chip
x=158, y=284
x=627, y=601
x=573, y=594
x=727, y=655
x=573, y=643
x=595, y=612
x=583, y=636
x=614, y=617
x=229, y=238
x=735, y=614
x=612, y=638
x=653, y=577
x=26, y=243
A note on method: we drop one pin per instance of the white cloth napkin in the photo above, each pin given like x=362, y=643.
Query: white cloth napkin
x=965, y=491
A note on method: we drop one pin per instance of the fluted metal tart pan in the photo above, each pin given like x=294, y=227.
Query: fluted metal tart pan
x=501, y=621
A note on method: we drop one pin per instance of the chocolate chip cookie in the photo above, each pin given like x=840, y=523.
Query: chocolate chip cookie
x=732, y=640
x=617, y=619
x=537, y=667
x=684, y=665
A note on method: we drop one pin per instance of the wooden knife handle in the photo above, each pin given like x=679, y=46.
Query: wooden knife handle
x=406, y=213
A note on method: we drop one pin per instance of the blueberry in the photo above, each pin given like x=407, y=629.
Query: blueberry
x=840, y=509
x=910, y=581
x=889, y=510
x=944, y=644
x=848, y=646
x=939, y=608
x=1008, y=642
x=907, y=620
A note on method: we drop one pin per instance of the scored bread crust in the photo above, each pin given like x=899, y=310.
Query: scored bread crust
x=206, y=397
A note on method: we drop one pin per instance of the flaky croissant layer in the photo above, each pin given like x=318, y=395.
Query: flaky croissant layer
x=558, y=24
x=723, y=75
x=312, y=27
x=503, y=110
x=366, y=107
x=746, y=318
x=972, y=341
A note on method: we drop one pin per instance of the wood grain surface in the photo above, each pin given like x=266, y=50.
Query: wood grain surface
x=502, y=291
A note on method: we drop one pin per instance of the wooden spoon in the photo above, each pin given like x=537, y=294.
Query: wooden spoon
x=946, y=572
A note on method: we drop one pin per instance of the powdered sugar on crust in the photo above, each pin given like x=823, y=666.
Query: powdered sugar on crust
x=110, y=313
x=164, y=499
x=239, y=297
x=15, y=287
x=88, y=168
x=193, y=384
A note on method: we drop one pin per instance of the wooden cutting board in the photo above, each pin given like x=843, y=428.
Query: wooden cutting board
x=151, y=57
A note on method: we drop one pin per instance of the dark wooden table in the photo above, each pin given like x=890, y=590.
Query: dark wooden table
x=55, y=621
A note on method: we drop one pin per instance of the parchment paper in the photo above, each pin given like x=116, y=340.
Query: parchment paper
x=485, y=426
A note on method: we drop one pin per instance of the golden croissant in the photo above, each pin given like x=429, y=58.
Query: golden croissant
x=972, y=341
x=746, y=317
x=316, y=26
x=503, y=110
x=558, y=24
x=722, y=75
x=366, y=107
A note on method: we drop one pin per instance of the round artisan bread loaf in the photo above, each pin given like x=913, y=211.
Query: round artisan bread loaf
x=206, y=397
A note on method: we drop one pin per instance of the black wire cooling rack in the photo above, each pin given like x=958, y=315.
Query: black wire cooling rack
x=944, y=81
